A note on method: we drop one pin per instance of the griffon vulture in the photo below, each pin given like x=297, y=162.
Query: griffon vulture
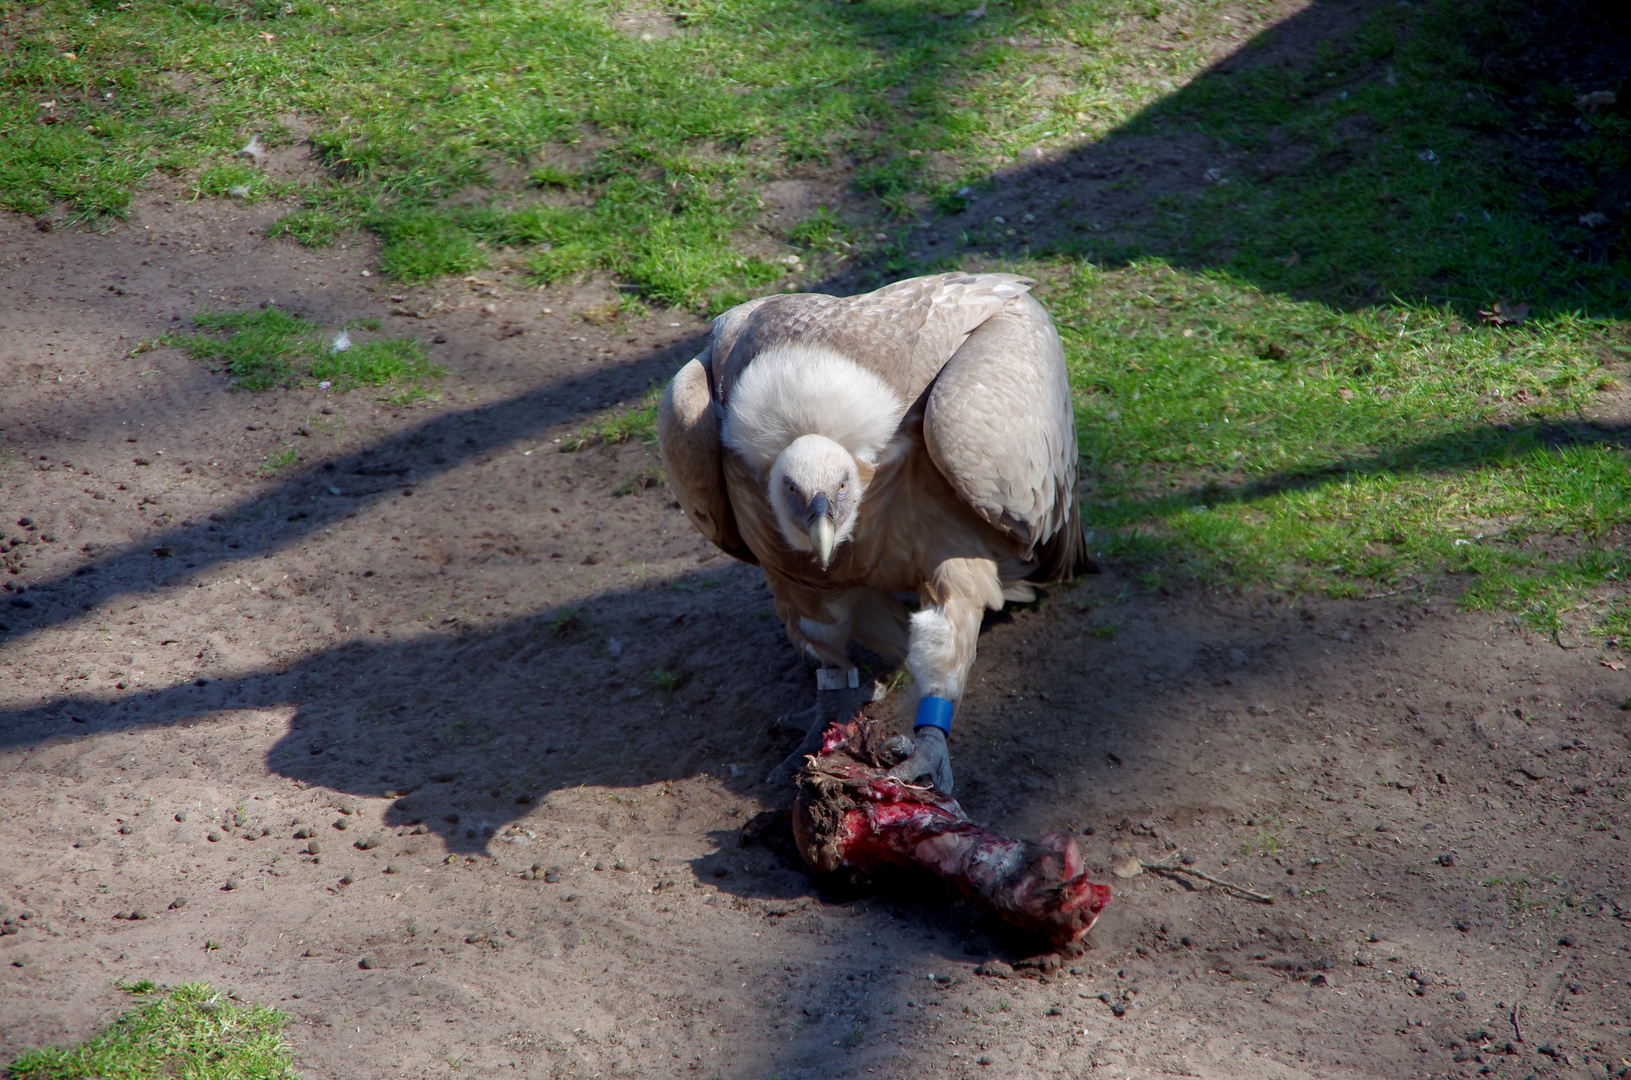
x=914, y=440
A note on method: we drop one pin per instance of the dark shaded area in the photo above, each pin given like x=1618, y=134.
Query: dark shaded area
x=1359, y=153
x=306, y=502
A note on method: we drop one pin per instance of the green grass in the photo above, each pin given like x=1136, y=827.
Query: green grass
x=1282, y=376
x=189, y=1031
x=618, y=427
x=268, y=347
x=605, y=151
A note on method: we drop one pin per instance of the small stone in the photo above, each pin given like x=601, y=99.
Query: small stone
x=346, y=880
x=366, y=964
x=178, y=903
x=125, y=830
x=211, y=945
x=983, y=1059
x=600, y=864
x=1186, y=940
x=314, y=848
x=621, y=865
x=1463, y=925
x=341, y=824
x=181, y=815
x=232, y=883
x=1054, y=1010
x=552, y=875
x=1188, y=860
x=996, y=969
x=1447, y=859
x=391, y=868
x=1119, y=1009
x=1319, y=980
x=302, y=834
x=367, y=843
x=1567, y=941
x=214, y=837
x=1460, y=995
x=137, y=913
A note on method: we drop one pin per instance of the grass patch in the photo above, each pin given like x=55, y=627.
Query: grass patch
x=189, y=1031
x=269, y=347
x=618, y=427
x=606, y=151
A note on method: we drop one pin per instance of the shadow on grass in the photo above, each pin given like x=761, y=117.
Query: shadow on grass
x=1358, y=153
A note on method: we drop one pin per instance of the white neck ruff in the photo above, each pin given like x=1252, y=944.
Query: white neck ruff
x=789, y=391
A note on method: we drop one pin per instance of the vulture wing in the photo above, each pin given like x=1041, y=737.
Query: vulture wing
x=1000, y=425
x=688, y=435
x=902, y=333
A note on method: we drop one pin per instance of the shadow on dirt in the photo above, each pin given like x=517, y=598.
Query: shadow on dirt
x=329, y=492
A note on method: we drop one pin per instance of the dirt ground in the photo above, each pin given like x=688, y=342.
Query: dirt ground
x=522, y=709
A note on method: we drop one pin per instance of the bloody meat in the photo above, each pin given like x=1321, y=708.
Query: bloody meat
x=850, y=813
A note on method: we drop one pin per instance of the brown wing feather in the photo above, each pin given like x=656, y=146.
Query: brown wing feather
x=688, y=436
x=1000, y=425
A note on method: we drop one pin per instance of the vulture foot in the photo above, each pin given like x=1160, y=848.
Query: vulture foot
x=831, y=707
x=928, y=761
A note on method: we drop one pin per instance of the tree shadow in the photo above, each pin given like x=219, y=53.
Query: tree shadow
x=1359, y=152
x=328, y=492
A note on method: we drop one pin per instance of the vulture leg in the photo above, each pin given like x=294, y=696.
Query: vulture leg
x=944, y=634
x=877, y=621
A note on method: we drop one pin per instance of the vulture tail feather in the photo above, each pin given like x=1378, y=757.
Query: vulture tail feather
x=1064, y=555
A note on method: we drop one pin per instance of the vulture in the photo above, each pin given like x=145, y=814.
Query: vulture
x=913, y=443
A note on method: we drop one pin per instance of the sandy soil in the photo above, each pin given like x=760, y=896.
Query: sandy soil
x=435, y=645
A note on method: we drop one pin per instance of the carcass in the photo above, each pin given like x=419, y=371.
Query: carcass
x=849, y=813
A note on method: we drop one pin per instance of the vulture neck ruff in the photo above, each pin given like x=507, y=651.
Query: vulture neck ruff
x=789, y=391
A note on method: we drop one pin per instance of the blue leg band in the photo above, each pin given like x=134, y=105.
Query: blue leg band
x=934, y=712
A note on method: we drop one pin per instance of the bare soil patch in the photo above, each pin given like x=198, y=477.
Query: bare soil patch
x=522, y=718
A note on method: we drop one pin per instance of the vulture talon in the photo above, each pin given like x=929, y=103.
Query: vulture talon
x=929, y=761
x=782, y=775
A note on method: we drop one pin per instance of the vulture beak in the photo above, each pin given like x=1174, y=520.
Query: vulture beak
x=822, y=535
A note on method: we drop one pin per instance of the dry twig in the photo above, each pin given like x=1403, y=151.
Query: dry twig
x=1250, y=894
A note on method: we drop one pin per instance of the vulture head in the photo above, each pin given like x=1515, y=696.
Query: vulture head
x=813, y=422
x=815, y=490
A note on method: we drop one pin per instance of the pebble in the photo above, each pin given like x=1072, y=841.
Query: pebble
x=302, y=834
x=366, y=964
x=367, y=843
x=391, y=868
x=178, y=903
x=1567, y=941
x=314, y=848
x=214, y=837
x=232, y=883
x=600, y=864
x=552, y=875
x=996, y=969
x=341, y=824
x=1054, y=1010
x=138, y=913
x=181, y=815
x=346, y=880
